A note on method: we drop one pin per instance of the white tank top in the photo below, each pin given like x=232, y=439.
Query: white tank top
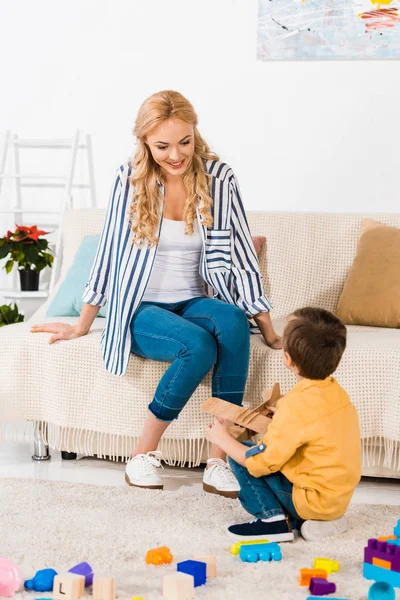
x=175, y=274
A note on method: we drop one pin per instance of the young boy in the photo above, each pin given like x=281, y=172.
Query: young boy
x=306, y=468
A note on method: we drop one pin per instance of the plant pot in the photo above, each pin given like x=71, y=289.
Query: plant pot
x=29, y=280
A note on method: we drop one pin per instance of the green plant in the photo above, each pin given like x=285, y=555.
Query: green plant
x=10, y=315
x=26, y=249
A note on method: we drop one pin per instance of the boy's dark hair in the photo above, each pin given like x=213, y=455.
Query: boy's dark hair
x=315, y=339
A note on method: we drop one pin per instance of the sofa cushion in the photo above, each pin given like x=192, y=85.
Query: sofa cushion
x=68, y=299
x=371, y=293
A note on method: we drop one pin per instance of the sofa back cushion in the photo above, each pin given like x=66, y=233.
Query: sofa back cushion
x=305, y=261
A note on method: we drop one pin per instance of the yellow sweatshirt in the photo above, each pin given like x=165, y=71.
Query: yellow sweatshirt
x=314, y=440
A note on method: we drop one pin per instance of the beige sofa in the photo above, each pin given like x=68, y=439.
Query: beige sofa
x=65, y=391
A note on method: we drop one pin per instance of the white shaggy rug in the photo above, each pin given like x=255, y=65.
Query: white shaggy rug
x=52, y=524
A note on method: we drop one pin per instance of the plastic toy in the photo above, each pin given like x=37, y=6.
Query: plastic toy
x=10, y=577
x=322, y=587
x=381, y=591
x=382, y=554
x=104, y=588
x=307, y=574
x=178, y=586
x=387, y=538
x=396, y=530
x=381, y=575
x=255, y=552
x=211, y=563
x=84, y=569
x=254, y=420
x=43, y=581
x=235, y=548
x=159, y=556
x=68, y=586
x=194, y=567
x=328, y=565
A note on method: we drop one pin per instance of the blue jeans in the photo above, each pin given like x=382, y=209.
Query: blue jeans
x=194, y=335
x=265, y=497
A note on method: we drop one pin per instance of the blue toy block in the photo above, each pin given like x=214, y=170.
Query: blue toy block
x=42, y=582
x=396, y=530
x=255, y=552
x=379, y=574
x=381, y=591
x=194, y=567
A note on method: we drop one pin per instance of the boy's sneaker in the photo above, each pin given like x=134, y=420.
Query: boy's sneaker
x=219, y=479
x=141, y=471
x=275, y=531
x=316, y=530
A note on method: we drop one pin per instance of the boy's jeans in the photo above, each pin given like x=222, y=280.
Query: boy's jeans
x=265, y=497
x=194, y=335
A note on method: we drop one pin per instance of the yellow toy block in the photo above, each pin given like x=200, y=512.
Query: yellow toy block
x=68, y=586
x=211, y=562
x=327, y=564
x=235, y=548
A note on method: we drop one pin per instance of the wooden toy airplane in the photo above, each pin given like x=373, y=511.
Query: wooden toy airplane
x=247, y=421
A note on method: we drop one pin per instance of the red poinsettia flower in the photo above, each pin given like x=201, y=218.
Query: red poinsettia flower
x=9, y=235
x=28, y=233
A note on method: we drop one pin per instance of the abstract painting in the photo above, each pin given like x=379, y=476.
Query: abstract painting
x=320, y=29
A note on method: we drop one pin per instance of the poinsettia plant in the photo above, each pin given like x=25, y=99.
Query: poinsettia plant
x=24, y=247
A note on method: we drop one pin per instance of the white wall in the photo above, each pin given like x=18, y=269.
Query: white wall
x=300, y=135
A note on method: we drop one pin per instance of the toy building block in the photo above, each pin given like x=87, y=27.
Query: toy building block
x=379, y=574
x=328, y=565
x=159, y=556
x=258, y=551
x=178, y=586
x=211, y=563
x=322, y=587
x=196, y=568
x=84, y=569
x=382, y=554
x=235, y=548
x=10, y=577
x=387, y=538
x=104, y=588
x=68, y=586
x=255, y=420
x=396, y=530
x=43, y=581
x=381, y=591
x=307, y=574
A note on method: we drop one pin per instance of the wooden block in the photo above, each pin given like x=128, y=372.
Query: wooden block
x=178, y=586
x=104, y=588
x=211, y=562
x=68, y=586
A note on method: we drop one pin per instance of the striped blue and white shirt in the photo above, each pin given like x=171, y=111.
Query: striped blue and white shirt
x=121, y=270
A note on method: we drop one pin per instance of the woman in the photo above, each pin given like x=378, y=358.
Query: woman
x=177, y=266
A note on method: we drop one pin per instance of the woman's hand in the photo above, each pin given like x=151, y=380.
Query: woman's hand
x=61, y=331
x=218, y=432
x=264, y=324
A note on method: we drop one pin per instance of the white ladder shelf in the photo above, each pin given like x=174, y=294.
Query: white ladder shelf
x=11, y=153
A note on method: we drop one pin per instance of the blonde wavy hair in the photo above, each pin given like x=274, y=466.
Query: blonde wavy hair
x=144, y=212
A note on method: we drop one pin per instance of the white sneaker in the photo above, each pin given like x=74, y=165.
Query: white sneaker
x=141, y=472
x=219, y=479
x=316, y=530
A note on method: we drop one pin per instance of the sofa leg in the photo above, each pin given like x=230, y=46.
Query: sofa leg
x=40, y=449
x=68, y=455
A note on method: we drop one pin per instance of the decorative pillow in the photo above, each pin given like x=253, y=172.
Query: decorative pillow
x=371, y=293
x=68, y=300
x=258, y=241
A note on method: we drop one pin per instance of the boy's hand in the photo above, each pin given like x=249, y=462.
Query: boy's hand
x=217, y=432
